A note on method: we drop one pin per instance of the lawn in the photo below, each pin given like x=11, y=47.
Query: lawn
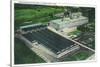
x=81, y=55
x=76, y=32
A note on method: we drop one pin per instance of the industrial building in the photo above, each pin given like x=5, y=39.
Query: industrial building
x=49, y=45
x=69, y=23
x=53, y=46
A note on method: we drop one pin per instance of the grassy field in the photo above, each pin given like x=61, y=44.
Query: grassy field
x=35, y=14
x=82, y=55
x=24, y=55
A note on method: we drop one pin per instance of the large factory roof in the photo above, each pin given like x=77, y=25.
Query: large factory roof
x=49, y=39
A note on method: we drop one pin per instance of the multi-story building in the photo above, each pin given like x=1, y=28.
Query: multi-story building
x=69, y=23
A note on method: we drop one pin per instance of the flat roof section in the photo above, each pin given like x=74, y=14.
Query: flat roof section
x=49, y=39
x=68, y=20
x=34, y=27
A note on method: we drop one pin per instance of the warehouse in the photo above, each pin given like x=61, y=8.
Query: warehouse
x=71, y=22
x=42, y=38
x=50, y=40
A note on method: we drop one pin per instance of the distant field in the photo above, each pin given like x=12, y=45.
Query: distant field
x=35, y=14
